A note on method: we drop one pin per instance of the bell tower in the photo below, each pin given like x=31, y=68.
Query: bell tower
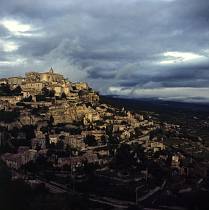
x=51, y=71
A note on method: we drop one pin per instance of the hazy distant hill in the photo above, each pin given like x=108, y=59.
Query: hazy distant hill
x=155, y=105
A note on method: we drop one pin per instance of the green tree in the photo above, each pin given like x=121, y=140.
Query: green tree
x=51, y=121
x=124, y=158
x=27, y=99
x=8, y=116
x=17, y=91
x=90, y=140
x=63, y=96
x=5, y=90
x=112, y=143
x=60, y=145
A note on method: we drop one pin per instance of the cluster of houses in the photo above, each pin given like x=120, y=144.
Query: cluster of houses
x=47, y=117
x=71, y=116
x=33, y=84
x=23, y=156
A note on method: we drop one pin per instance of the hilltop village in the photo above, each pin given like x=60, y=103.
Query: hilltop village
x=60, y=135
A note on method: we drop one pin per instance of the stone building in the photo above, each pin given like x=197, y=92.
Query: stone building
x=75, y=141
x=77, y=161
x=11, y=99
x=15, y=80
x=97, y=133
x=19, y=159
x=31, y=86
x=91, y=117
x=49, y=76
x=80, y=86
x=3, y=81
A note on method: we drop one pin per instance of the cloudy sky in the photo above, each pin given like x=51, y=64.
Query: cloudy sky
x=136, y=48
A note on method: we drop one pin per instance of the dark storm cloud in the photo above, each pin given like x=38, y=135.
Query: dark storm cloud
x=184, y=76
x=112, y=42
x=101, y=73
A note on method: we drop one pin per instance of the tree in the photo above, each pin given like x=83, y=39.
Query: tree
x=138, y=131
x=17, y=91
x=51, y=93
x=89, y=168
x=109, y=130
x=14, y=195
x=51, y=120
x=45, y=91
x=112, y=143
x=60, y=145
x=103, y=139
x=29, y=131
x=14, y=132
x=62, y=137
x=27, y=99
x=82, y=93
x=124, y=158
x=63, y=95
x=5, y=90
x=9, y=116
x=90, y=140
x=139, y=150
x=5, y=175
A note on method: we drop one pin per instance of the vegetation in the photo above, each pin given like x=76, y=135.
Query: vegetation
x=90, y=140
x=27, y=99
x=8, y=116
x=46, y=93
x=6, y=91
